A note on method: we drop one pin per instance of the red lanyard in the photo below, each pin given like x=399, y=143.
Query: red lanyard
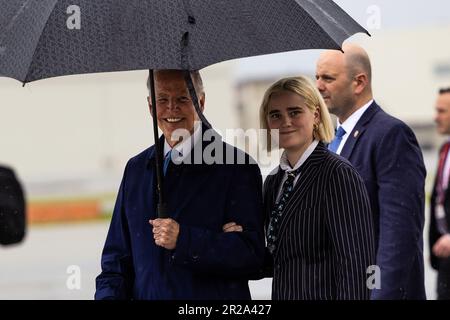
x=440, y=183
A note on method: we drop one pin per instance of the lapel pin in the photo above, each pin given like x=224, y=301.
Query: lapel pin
x=356, y=134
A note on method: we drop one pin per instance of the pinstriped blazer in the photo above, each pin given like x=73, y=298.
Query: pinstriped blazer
x=326, y=237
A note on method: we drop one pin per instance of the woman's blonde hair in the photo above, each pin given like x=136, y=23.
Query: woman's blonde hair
x=313, y=100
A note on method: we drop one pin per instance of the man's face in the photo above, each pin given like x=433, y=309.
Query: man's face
x=442, y=117
x=175, y=109
x=334, y=84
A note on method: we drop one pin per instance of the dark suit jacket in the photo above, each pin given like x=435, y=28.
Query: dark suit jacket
x=385, y=152
x=207, y=263
x=326, y=240
x=12, y=208
x=434, y=233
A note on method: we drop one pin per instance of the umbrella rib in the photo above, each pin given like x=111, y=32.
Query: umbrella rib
x=37, y=44
x=194, y=97
x=14, y=19
x=329, y=17
x=188, y=78
x=337, y=25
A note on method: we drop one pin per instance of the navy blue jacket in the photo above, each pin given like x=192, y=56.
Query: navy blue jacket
x=386, y=154
x=326, y=237
x=206, y=263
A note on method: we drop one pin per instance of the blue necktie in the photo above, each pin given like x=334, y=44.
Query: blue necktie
x=334, y=145
x=167, y=159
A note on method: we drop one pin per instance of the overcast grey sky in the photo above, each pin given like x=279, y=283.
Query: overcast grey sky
x=401, y=13
x=393, y=14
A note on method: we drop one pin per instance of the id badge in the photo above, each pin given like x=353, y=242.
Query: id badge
x=440, y=211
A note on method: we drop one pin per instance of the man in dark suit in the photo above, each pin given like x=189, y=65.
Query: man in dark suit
x=439, y=235
x=385, y=152
x=12, y=208
x=186, y=256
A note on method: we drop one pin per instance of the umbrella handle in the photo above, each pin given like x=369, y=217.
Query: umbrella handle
x=162, y=206
x=162, y=211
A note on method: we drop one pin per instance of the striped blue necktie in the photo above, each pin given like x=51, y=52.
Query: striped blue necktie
x=277, y=212
x=167, y=159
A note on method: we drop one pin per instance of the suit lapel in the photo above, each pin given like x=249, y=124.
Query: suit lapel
x=186, y=178
x=358, y=130
x=189, y=178
x=192, y=177
x=271, y=188
x=309, y=172
x=275, y=185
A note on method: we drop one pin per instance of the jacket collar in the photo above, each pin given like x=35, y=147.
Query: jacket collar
x=151, y=155
x=310, y=170
x=274, y=180
x=359, y=129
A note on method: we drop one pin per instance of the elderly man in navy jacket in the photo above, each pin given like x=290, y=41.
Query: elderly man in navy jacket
x=385, y=152
x=186, y=256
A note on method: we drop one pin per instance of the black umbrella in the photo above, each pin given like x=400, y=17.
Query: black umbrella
x=48, y=38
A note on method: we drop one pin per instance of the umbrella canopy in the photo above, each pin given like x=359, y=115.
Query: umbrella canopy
x=48, y=38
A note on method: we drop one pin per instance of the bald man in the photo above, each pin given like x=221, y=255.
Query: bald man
x=385, y=152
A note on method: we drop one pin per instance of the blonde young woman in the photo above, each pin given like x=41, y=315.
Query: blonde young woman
x=318, y=223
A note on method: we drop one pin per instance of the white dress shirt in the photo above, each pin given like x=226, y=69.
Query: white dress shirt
x=350, y=124
x=286, y=167
x=185, y=146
